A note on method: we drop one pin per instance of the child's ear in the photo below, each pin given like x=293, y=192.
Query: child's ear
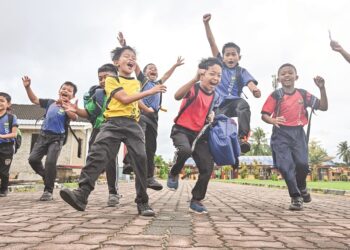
x=278, y=80
x=296, y=77
x=240, y=57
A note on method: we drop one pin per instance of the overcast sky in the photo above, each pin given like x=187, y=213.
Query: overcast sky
x=55, y=41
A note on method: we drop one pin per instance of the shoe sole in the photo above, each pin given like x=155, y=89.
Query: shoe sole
x=112, y=204
x=196, y=212
x=157, y=188
x=68, y=198
x=172, y=189
x=295, y=209
x=46, y=199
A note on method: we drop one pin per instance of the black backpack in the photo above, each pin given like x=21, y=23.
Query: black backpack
x=18, y=139
x=278, y=96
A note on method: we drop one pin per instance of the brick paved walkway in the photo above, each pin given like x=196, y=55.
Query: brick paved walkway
x=239, y=217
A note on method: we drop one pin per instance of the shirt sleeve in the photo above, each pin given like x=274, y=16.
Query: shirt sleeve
x=269, y=106
x=247, y=77
x=312, y=101
x=112, y=86
x=43, y=102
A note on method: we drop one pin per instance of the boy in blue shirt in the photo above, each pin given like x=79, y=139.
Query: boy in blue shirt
x=233, y=79
x=8, y=132
x=52, y=133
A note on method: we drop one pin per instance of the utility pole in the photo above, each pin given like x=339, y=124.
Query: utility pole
x=274, y=82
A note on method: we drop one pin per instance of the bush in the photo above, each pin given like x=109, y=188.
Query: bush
x=274, y=177
x=344, y=177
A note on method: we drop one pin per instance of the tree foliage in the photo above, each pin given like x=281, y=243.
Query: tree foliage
x=259, y=145
x=344, y=152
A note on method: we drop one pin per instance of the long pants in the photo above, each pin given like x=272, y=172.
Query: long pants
x=183, y=139
x=105, y=147
x=49, y=145
x=290, y=154
x=6, y=155
x=239, y=108
x=149, y=125
x=111, y=169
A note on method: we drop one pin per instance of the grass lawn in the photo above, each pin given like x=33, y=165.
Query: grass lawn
x=339, y=185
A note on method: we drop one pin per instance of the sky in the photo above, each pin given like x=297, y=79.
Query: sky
x=67, y=40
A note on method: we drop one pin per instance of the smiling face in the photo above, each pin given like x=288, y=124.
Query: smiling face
x=66, y=93
x=151, y=72
x=126, y=63
x=211, y=78
x=4, y=104
x=231, y=57
x=287, y=75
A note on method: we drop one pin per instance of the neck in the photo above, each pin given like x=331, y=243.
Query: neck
x=122, y=74
x=2, y=112
x=288, y=90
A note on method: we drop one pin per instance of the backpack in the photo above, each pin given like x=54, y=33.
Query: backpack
x=97, y=94
x=278, y=96
x=18, y=139
x=189, y=101
x=223, y=141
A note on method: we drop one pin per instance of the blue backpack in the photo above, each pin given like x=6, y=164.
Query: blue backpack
x=223, y=141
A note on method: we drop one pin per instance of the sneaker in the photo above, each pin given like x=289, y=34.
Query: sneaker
x=47, y=196
x=127, y=169
x=296, y=203
x=77, y=198
x=306, y=196
x=113, y=200
x=3, y=193
x=197, y=207
x=245, y=145
x=173, y=182
x=153, y=184
x=144, y=209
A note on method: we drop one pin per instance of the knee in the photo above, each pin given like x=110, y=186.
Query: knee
x=184, y=151
x=243, y=106
x=33, y=161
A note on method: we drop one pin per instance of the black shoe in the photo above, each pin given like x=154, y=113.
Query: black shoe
x=3, y=193
x=306, y=196
x=127, y=169
x=245, y=146
x=296, y=203
x=144, y=209
x=47, y=196
x=153, y=184
x=113, y=200
x=77, y=198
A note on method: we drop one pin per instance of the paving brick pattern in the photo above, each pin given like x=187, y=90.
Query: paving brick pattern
x=240, y=217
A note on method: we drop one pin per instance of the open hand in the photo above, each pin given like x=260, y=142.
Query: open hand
x=278, y=121
x=26, y=81
x=336, y=46
x=180, y=61
x=159, y=88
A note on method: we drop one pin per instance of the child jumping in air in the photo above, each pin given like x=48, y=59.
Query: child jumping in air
x=197, y=98
x=285, y=109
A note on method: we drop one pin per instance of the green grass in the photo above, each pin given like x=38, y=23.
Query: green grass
x=338, y=185
x=70, y=184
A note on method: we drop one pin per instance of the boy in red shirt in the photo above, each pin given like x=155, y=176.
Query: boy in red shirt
x=197, y=98
x=288, y=141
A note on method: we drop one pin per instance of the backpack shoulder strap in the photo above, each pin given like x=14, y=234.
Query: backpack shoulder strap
x=303, y=93
x=278, y=96
x=189, y=101
x=10, y=120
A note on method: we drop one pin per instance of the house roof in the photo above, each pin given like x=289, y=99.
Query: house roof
x=31, y=112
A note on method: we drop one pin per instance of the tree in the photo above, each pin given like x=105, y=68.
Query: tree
x=259, y=144
x=317, y=155
x=227, y=169
x=162, y=165
x=344, y=152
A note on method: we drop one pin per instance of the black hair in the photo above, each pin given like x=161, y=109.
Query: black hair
x=208, y=62
x=6, y=96
x=108, y=67
x=286, y=65
x=231, y=45
x=116, y=53
x=144, y=69
x=75, y=88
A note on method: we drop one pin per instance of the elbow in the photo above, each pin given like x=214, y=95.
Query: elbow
x=177, y=97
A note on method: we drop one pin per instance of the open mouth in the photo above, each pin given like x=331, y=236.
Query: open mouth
x=130, y=65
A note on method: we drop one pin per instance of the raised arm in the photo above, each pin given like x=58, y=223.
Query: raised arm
x=336, y=47
x=32, y=97
x=183, y=90
x=210, y=36
x=122, y=42
x=179, y=62
x=320, y=82
x=124, y=98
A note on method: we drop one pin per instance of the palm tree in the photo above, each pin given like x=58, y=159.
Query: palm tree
x=259, y=145
x=344, y=152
